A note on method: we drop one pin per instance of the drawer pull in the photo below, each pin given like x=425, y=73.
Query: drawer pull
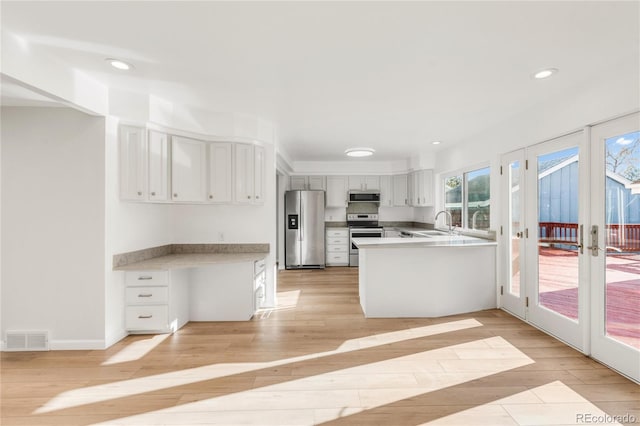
x=145, y=316
x=145, y=277
x=145, y=295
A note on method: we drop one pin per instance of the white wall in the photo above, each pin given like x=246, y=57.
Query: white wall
x=53, y=211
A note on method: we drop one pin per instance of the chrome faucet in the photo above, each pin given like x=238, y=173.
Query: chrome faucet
x=450, y=219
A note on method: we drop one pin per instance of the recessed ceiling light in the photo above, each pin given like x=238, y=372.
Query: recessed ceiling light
x=436, y=142
x=359, y=152
x=545, y=73
x=117, y=63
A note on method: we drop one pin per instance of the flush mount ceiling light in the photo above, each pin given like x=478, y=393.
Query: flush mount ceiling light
x=359, y=152
x=435, y=143
x=118, y=64
x=545, y=73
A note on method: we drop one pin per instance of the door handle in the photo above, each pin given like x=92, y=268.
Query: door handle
x=594, y=241
x=518, y=234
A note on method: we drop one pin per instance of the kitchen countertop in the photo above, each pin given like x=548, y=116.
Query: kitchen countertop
x=190, y=260
x=431, y=241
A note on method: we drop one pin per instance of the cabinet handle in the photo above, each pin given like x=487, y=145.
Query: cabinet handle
x=249, y=197
x=257, y=196
x=139, y=192
x=153, y=193
x=175, y=195
x=210, y=197
x=145, y=277
x=145, y=316
x=145, y=295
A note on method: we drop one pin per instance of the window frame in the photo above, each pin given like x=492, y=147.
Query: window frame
x=463, y=172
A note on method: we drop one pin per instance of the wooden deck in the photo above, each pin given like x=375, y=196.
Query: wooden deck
x=558, y=272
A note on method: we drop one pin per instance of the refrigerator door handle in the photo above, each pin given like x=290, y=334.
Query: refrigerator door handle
x=301, y=222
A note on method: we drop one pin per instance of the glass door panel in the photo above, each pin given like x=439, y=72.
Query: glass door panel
x=622, y=239
x=555, y=274
x=558, y=232
x=513, y=185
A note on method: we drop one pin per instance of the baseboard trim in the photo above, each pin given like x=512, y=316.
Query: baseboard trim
x=76, y=345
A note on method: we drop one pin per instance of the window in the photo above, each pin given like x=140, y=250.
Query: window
x=467, y=198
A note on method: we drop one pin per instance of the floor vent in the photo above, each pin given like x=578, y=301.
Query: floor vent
x=27, y=341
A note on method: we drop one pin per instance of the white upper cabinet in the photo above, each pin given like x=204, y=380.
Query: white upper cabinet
x=386, y=191
x=400, y=191
x=158, y=147
x=188, y=169
x=336, y=191
x=258, y=174
x=133, y=163
x=364, y=183
x=220, y=167
x=421, y=188
x=249, y=174
x=302, y=183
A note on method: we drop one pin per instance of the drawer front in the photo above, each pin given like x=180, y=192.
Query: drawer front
x=338, y=249
x=337, y=258
x=342, y=241
x=146, y=295
x=145, y=278
x=337, y=233
x=258, y=266
x=152, y=318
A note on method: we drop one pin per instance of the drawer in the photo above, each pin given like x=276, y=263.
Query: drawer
x=337, y=258
x=258, y=266
x=145, y=278
x=152, y=318
x=337, y=249
x=344, y=241
x=146, y=295
x=337, y=233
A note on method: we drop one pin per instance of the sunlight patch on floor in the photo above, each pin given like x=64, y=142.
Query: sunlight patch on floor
x=136, y=350
x=551, y=404
x=125, y=388
x=345, y=392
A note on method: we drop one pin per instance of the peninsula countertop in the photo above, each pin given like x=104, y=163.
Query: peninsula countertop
x=431, y=241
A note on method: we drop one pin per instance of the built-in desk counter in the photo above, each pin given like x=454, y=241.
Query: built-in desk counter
x=167, y=286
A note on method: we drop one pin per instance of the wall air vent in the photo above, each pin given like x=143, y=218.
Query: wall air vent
x=27, y=341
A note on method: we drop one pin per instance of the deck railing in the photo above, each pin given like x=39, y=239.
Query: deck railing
x=620, y=238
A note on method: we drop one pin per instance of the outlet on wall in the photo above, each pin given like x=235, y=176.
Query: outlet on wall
x=221, y=236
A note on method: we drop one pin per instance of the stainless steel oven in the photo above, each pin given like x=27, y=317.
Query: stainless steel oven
x=362, y=226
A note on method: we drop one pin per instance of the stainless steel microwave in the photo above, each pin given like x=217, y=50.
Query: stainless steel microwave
x=364, y=197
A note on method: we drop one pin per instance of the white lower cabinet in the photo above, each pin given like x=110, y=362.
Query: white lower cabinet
x=337, y=241
x=156, y=301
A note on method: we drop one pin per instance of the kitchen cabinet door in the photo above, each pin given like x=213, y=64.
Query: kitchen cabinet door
x=158, y=166
x=337, y=191
x=316, y=183
x=244, y=173
x=371, y=183
x=298, y=183
x=411, y=189
x=133, y=163
x=258, y=175
x=356, y=183
x=220, y=176
x=188, y=170
x=426, y=187
x=386, y=191
x=400, y=190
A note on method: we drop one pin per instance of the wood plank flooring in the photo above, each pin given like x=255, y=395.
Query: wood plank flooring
x=316, y=360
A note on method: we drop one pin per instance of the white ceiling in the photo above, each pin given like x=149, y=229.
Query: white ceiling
x=393, y=76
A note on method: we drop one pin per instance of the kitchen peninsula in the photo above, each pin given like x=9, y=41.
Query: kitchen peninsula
x=434, y=276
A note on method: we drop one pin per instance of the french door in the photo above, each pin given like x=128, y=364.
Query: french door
x=615, y=244
x=557, y=273
x=571, y=239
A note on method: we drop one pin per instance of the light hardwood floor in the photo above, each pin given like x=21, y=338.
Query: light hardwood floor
x=316, y=360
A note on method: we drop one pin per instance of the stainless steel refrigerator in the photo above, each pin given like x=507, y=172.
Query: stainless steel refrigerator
x=304, y=229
